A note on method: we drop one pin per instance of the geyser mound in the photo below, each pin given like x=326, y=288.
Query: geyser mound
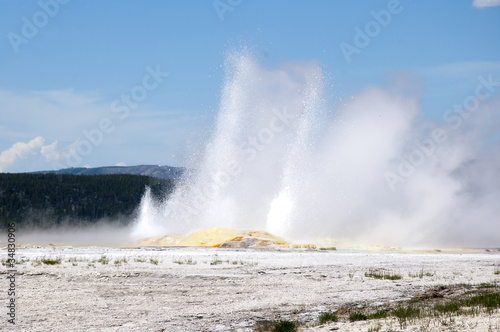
x=219, y=237
x=280, y=159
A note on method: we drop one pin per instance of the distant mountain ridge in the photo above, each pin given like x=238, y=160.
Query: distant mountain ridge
x=156, y=171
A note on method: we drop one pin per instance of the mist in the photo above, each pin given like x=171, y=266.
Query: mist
x=370, y=168
x=104, y=233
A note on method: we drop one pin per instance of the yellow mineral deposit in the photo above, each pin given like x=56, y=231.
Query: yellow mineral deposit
x=221, y=237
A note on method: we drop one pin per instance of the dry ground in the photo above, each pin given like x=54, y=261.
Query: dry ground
x=201, y=289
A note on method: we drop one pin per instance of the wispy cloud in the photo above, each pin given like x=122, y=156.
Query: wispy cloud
x=485, y=3
x=60, y=111
x=71, y=124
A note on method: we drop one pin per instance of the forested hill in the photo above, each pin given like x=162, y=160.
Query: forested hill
x=162, y=172
x=45, y=200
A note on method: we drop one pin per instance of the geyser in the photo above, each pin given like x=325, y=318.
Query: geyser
x=282, y=160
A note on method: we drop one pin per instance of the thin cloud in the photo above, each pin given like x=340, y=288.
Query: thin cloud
x=62, y=112
x=485, y=3
x=67, y=118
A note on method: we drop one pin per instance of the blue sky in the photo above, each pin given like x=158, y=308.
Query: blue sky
x=65, y=65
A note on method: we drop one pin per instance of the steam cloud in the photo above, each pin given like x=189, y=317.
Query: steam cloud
x=373, y=170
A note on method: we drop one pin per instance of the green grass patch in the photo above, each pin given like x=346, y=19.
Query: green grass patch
x=119, y=261
x=420, y=274
x=328, y=317
x=375, y=328
x=51, y=261
x=452, y=306
x=6, y=262
x=103, y=260
x=284, y=326
x=184, y=260
x=355, y=316
x=378, y=315
x=404, y=314
x=216, y=260
x=382, y=275
x=489, y=301
x=488, y=285
x=472, y=303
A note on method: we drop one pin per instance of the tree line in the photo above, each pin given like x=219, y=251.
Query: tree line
x=46, y=200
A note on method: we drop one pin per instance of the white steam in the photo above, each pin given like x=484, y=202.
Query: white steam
x=371, y=170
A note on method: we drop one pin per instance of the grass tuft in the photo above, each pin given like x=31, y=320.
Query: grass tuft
x=103, y=260
x=378, y=315
x=119, y=262
x=383, y=275
x=404, y=314
x=184, y=260
x=489, y=301
x=448, y=307
x=375, y=328
x=284, y=326
x=328, y=317
x=487, y=285
x=357, y=316
x=50, y=261
x=420, y=274
x=216, y=260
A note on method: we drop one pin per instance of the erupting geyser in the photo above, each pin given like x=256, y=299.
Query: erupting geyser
x=368, y=170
